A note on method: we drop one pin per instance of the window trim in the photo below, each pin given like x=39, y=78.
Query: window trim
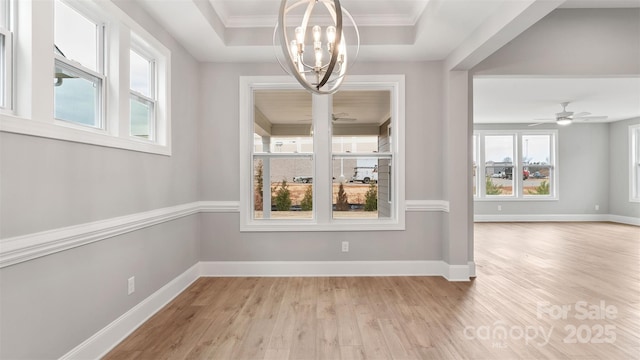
x=634, y=163
x=7, y=75
x=322, y=218
x=33, y=105
x=153, y=91
x=518, y=194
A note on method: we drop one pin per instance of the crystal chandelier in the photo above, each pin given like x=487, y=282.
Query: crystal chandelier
x=305, y=61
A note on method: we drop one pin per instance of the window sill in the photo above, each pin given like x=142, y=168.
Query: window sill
x=19, y=125
x=311, y=226
x=524, y=199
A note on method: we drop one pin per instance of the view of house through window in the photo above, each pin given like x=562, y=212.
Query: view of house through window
x=282, y=155
x=359, y=152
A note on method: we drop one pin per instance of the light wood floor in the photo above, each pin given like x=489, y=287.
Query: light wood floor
x=521, y=268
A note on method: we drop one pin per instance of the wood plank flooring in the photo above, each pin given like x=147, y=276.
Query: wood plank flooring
x=526, y=273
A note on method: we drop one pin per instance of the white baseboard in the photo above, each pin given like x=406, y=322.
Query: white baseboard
x=556, y=218
x=106, y=339
x=540, y=217
x=625, y=220
x=338, y=268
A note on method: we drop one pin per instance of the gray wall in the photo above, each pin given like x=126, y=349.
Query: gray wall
x=222, y=239
x=51, y=304
x=583, y=178
x=619, y=203
x=572, y=42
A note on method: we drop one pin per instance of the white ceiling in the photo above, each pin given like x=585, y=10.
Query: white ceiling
x=523, y=100
x=461, y=33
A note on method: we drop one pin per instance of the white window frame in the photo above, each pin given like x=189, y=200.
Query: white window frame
x=142, y=51
x=322, y=219
x=86, y=73
x=6, y=60
x=634, y=163
x=33, y=112
x=518, y=166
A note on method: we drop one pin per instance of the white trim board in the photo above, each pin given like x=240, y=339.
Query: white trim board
x=14, y=250
x=17, y=249
x=557, y=218
x=338, y=268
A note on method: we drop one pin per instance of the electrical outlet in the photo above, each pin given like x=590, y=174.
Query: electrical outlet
x=499, y=207
x=345, y=246
x=131, y=285
x=597, y=207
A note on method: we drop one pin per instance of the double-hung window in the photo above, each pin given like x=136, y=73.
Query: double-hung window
x=6, y=56
x=79, y=81
x=322, y=162
x=142, y=110
x=634, y=157
x=518, y=165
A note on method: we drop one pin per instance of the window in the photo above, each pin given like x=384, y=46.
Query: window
x=295, y=177
x=142, y=92
x=111, y=84
x=518, y=165
x=79, y=75
x=6, y=56
x=634, y=157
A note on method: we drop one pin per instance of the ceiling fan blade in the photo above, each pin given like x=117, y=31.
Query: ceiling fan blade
x=591, y=118
x=344, y=119
x=545, y=119
x=536, y=124
x=581, y=114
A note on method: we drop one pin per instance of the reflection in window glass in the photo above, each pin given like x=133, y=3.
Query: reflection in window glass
x=140, y=74
x=76, y=36
x=291, y=187
x=76, y=96
x=141, y=118
x=499, y=165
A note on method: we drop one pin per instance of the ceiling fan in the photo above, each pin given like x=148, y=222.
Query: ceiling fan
x=567, y=117
x=342, y=117
x=337, y=118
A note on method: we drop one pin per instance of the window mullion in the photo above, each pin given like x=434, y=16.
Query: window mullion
x=323, y=186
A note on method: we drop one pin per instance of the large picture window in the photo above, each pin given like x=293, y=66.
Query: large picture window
x=324, y=162
x=519, y=165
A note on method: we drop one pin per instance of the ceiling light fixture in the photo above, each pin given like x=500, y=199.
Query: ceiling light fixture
x=563, y=121
x=308, y=67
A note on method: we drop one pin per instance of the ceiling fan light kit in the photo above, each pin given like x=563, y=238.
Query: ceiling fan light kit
x=565, y=117
x=309, y=67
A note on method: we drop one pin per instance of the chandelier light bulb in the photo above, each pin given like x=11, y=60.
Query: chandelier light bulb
x=331, y=34
x=317, y=33
x=300, y=35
